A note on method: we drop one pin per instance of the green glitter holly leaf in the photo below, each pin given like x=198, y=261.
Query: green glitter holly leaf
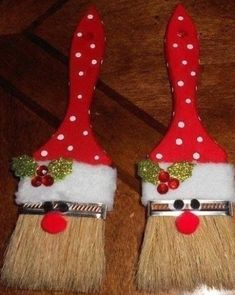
x=148, y=171
x=60, y=168
x=24, y=166
x=181, y=170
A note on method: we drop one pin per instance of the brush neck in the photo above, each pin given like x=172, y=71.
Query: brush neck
x=182, y=55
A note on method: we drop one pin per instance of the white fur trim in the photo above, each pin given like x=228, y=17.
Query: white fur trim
x=203, y=290
x=86, y=183
x=213, y=181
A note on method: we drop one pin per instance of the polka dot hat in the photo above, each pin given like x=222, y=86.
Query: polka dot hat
x=74, y=139
x=186, y=139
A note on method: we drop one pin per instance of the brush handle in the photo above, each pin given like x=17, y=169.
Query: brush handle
x=74, y=139
x=186, y=139
x=86, y=57
x=182, y=55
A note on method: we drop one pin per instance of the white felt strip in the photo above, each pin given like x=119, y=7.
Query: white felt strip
x=86, y=183
x=208, y=181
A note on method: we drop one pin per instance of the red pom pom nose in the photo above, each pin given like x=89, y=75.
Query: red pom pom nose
x=187, y=223
x=53, y=223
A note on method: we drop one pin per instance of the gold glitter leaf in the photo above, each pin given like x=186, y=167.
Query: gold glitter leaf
x=60, y=168
x=148, y=171
x=24, y=166
x=181, y=170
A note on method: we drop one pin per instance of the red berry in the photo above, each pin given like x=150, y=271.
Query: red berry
x=163, y=176
x=53, y=223
x=187, y=223
x=173, y=183
x=162, y=188
x=36, y=181
x=47, y=180
x=42, y=170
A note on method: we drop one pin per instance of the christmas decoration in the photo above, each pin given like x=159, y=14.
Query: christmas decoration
x=152, y=172
x=181, y=170
x=36, y=181
x=24, y=166
x=173, y=183
x=53, y=223
x=148, y=171
x=65, y=189
x=47, y=180
x=60, y=168
x=27, y=166
x=163, y=176
x=187, y=223
x=189, y=239
x=162, y=188
x=42, y=170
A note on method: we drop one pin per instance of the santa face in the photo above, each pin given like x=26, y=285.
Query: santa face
x=187, y=213
x=188, y=189
x=56, y=188
x=55, y=215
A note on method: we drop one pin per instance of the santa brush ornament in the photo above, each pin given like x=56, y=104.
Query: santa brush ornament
x=65, y=189
x=187, y=186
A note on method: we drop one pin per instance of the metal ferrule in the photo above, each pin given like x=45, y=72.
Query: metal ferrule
x=204, y=207
x=94, y=210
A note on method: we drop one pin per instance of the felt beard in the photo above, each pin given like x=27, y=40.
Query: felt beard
x=65, y=189
x=72, y=260
x=188, y=186
x=170, y=260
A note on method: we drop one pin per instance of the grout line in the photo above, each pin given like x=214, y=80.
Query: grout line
x=132, y=108
x=53, y=9
x=111, y=93
x=127, y=178
x=29, y=103
x=47, y=47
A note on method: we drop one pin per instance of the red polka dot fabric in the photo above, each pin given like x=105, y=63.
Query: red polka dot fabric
x=186, y=139
x=74, y=139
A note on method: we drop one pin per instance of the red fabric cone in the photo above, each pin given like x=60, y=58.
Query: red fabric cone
x=74, y=139
x=186, y=139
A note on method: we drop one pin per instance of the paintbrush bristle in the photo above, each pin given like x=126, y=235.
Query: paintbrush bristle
x=72, y=260
x=172, y=261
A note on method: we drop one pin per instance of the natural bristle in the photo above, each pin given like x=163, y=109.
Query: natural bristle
x=72, y=260
x=173, y=261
